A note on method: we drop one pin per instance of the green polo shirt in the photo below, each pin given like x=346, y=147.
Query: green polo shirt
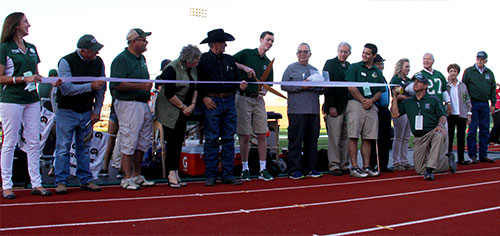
x=358, y=72
x=127, y=65
x=437, y=83
x=10, y=55
x=481, y=87
x=252, y=59
x=429, y=107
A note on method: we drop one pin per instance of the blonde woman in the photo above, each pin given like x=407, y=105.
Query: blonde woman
x=402, y=130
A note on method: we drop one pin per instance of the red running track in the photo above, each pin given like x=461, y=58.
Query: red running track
x=400, y=203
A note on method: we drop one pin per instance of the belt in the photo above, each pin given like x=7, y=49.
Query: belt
x=252, y=95
x=220, y=95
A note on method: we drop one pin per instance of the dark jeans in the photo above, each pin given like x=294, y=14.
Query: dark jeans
x=220, y=127
x=384, y=139
x=461, y=125
x=303, y=129
x=481, y=118
x=495, y=131
x=174, y=138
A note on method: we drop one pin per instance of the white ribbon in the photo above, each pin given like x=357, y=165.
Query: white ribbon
x=288, y=83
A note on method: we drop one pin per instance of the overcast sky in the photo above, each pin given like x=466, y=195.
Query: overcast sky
x=453, y=30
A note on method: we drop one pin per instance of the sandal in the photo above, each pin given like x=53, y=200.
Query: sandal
x=41, y=192
x=8, y=196
x=174, y=185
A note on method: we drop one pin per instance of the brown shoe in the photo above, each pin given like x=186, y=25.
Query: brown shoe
x=485, y=159
x=61, y=188
x=90, y=186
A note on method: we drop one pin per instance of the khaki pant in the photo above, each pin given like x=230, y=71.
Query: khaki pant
x=337, y=142
x=428, y=152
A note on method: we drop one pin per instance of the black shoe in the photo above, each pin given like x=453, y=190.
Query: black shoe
x=232, y=181
x=428, y=175
x=336, y=172
x=487, y=160
x=386, y=169
x=346, y=171
x=464, y=163
x=452, y=164
x=474, y=161
x=120, y=174
x=210, y=182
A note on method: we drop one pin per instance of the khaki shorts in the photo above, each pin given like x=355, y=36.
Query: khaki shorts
x=361, y=122
x=135, y=126
x=251, y=115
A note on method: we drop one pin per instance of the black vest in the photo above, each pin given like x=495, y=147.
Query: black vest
x=82, y=102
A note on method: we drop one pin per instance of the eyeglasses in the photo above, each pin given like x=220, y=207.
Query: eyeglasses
x=303, y=52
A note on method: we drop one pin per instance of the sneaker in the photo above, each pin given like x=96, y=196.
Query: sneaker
x=120, y=175
x=264, y=174
x=314, y=174
x=398, y=167
x=140, y=180
x=408, y=166
x=90, y=186
x=358, y=173
x=245, y=175
x=428, y=175
x=129, y=184
x=296, y=175
x=370, y=171
x=61, y=188
x=103, y=173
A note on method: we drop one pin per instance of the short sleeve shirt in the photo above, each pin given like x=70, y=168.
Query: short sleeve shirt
x=429, y=107
x=127, y=65
x=358, y=72
x=252, y=59
x=17, y=64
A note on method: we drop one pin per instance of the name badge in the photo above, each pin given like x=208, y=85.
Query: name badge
x=419, y=122
x=367, y=91
x=29, y=86
x=363, y=74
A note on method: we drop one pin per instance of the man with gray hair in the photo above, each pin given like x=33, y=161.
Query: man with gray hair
x=78, y=108
x=334, y=109
x=303, y=117
x=132, y=109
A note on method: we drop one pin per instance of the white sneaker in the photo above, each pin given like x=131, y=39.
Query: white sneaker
x=140, y=180
x=129, y=184
x=358, y=173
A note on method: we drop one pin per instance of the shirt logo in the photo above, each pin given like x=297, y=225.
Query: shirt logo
x=427, y=106
x=487, y=76
x=374, y=75
x=264, y=67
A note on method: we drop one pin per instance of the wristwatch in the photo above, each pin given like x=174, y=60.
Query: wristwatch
x=442, y=125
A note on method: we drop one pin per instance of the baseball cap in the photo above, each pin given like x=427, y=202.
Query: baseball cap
x=482, y=54
x=53, y=72
x=137, y=33
x=89, y=42
x=420, y=77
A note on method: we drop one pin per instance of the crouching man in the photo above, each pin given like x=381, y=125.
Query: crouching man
x=427, y=121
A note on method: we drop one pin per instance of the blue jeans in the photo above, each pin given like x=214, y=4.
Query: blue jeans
x=68, y=123
x=220, y=127
x=481, y=118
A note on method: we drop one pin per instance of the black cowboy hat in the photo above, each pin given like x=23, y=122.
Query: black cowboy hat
x=217, y=35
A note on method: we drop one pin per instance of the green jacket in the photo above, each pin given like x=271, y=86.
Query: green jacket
x=335, y=96
x=166, y=113
x=481, y=86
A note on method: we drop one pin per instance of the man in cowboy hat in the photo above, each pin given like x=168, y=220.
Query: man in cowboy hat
x=219, y=106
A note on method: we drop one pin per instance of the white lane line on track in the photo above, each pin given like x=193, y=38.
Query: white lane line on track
x=416, y=221
x=234, y=192
x=240, y=211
